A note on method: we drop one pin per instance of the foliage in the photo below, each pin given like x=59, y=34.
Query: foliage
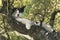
x=17, y=3
x=1, y=4
x=57, y=22
x=15, y=37
x=20, y=3
x=34, y=10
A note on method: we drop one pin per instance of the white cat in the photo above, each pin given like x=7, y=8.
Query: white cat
x=29, y=23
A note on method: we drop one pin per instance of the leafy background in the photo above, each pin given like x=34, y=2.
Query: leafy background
x=34, y=10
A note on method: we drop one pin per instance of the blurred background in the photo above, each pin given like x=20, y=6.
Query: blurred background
x=36, y=10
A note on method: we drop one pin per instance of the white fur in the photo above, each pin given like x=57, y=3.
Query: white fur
x=47, y=27
x=27, y=22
